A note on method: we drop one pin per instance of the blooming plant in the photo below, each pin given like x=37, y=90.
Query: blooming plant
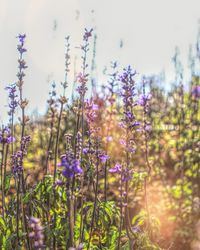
x=114, y=167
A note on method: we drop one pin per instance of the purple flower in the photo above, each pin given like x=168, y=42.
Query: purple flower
x=13, y=103
x=143, y=99
x=82, y=80
x=88, y=151
x=103, y=157
x=5, y=136
x=21, y=38
x=127, y=94
x=21, y=49
x=116, y=169
x=90, y=111
x=85, y=150
x=22, y=63
x=122, y=141
x=36, y=233
x=87, y=34
x=10, y=139
x=196, y=92
x=71, y=166
x=109, y=138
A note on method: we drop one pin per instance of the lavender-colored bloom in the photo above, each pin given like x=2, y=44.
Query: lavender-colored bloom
x=85, y=150
x=122, y=141
x=82, y=80
x=80, y=247
x=5, y=136
x=116, y=169
x=13, y=102
x=71, y=166
x=109, y=138
x=196, y=92
x=103, y=158
x=36, y=234
x=10, y=139
x=127, y=94
x=88, y=151
x=22, y=63
x=126, y=177
x=20, y=46
x=21, y=38
x=90, y=111
x=143, y=99
x=87, y=34
x=21, y=49
x=18, y=156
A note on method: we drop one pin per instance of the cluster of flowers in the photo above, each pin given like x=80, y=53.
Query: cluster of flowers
x=36, y=234
x=5, y=136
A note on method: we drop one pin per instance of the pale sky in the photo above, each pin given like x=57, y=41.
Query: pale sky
x=150, y=30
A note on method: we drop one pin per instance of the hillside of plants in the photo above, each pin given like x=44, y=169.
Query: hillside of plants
x=114, y=165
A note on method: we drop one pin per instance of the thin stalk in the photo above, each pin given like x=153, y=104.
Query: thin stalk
x=95, y=199
x=121, y=211
x=4, y=179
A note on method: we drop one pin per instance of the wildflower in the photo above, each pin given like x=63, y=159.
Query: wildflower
x=5, y=136
x=143, y=99
x=122, y=141
x=19, y=155
x=87, y=34
x=90, y=108
x=21, y=38
x=88, y=151
x=36, y=233
x=127, y=93
x=116, y=169
x=127, y=175
x=196, y=92
x=71, y=166
x=103, y=158
x=13, y=103
x=109, y=138
x=22, y=63
x=82, y=79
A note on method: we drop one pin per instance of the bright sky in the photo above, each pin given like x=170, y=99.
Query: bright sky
x=150, y=30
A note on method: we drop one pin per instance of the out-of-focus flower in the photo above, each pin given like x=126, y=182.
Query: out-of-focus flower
x=82, y=80
x=109, y=138
x=36, y=234
x=90, y=111
x=13, y=102
x=103, y=157
x=196, y=92
x=143, y=99
x=116, y=169
x=58, y=183
x=5, y=136
x=22, y=63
